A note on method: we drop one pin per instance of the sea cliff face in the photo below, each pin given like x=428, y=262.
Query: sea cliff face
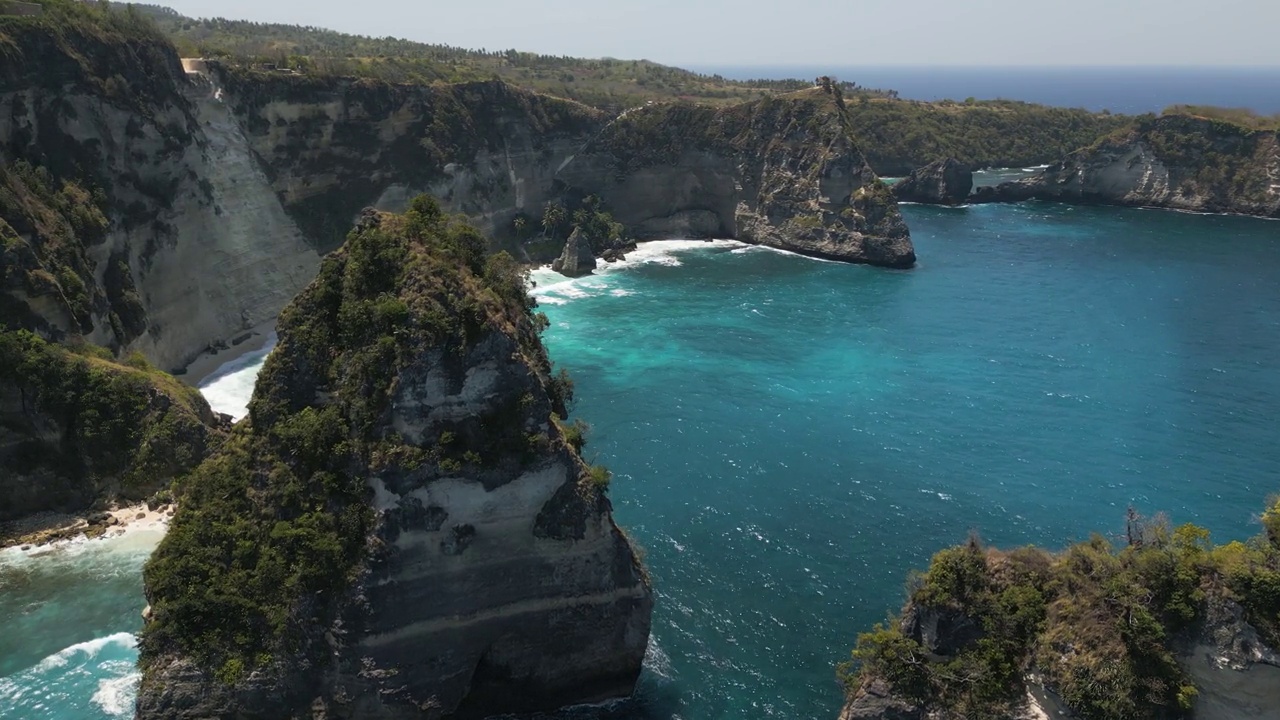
x=404, y=527
x=1178, y=162
x=168, y=238
x=784, y=172
x=335, y=145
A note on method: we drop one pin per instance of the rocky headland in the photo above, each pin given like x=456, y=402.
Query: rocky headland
x=784, y=172
x=1179, y=162
x=1166, y=626
x=404, y=527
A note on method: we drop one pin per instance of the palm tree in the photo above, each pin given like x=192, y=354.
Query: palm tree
x=552, y=218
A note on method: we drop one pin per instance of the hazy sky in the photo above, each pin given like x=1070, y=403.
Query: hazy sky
x=809, y=32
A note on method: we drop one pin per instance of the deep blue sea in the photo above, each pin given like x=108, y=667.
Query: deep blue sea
x=1130, y=90
x=791, y=437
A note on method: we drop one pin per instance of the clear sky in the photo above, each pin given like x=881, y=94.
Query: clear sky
x=810, y=32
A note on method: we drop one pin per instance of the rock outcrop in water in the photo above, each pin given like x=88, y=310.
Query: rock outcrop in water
x=77, y=430
x=784, y=172
x=1169, y=626
x=577, y=259
x=944, y=182
x=403, y=528
x=1175, y=161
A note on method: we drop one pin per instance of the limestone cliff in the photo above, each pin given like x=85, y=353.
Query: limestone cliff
x=403, y=528
x=78, y=430
x=1179, y=162
x=132, y=210
x=336, y=145
x=1169, y=626
x=784, y=172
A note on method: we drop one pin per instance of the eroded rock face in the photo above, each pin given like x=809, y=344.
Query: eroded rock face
x=783, y=172
x=577, y=259
x=488, y=575
x=1177, y=162
x=485, y=149
x=945, y=182
x=222, y=187
x=197, y=248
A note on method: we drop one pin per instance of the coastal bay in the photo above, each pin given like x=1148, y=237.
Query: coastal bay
x=824, y=428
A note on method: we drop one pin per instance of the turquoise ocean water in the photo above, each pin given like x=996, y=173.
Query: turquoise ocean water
x=790, y=437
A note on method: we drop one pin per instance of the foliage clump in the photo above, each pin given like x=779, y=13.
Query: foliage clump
x=108, y=430
x=1098, y=624
x=272, y=531
x=899, y=136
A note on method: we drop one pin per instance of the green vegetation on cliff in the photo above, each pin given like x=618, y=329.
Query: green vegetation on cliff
x=272, y=530
x=1098, y=625
x=1243, y=117
x=899, y=136
x=82, y=428
x=46, y=229
x=95, y=43
x=1212, y=156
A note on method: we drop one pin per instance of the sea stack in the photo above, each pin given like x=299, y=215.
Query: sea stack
x=577, y=259
x=403, y=527
x=942, y=182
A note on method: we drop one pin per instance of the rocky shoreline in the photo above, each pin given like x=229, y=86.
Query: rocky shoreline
x=50, y=529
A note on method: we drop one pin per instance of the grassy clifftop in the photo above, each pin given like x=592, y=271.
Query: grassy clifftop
x=1100, y=625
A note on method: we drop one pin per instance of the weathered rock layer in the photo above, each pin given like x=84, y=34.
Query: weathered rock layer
x=577, y=259
x=193, y=249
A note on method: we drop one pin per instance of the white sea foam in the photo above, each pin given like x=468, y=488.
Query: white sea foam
x=89, y=649
x=116, y=695
x=657, y=661
x=229, y=388
x=552, y=288
x=780, y=251
x=1035, y=169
